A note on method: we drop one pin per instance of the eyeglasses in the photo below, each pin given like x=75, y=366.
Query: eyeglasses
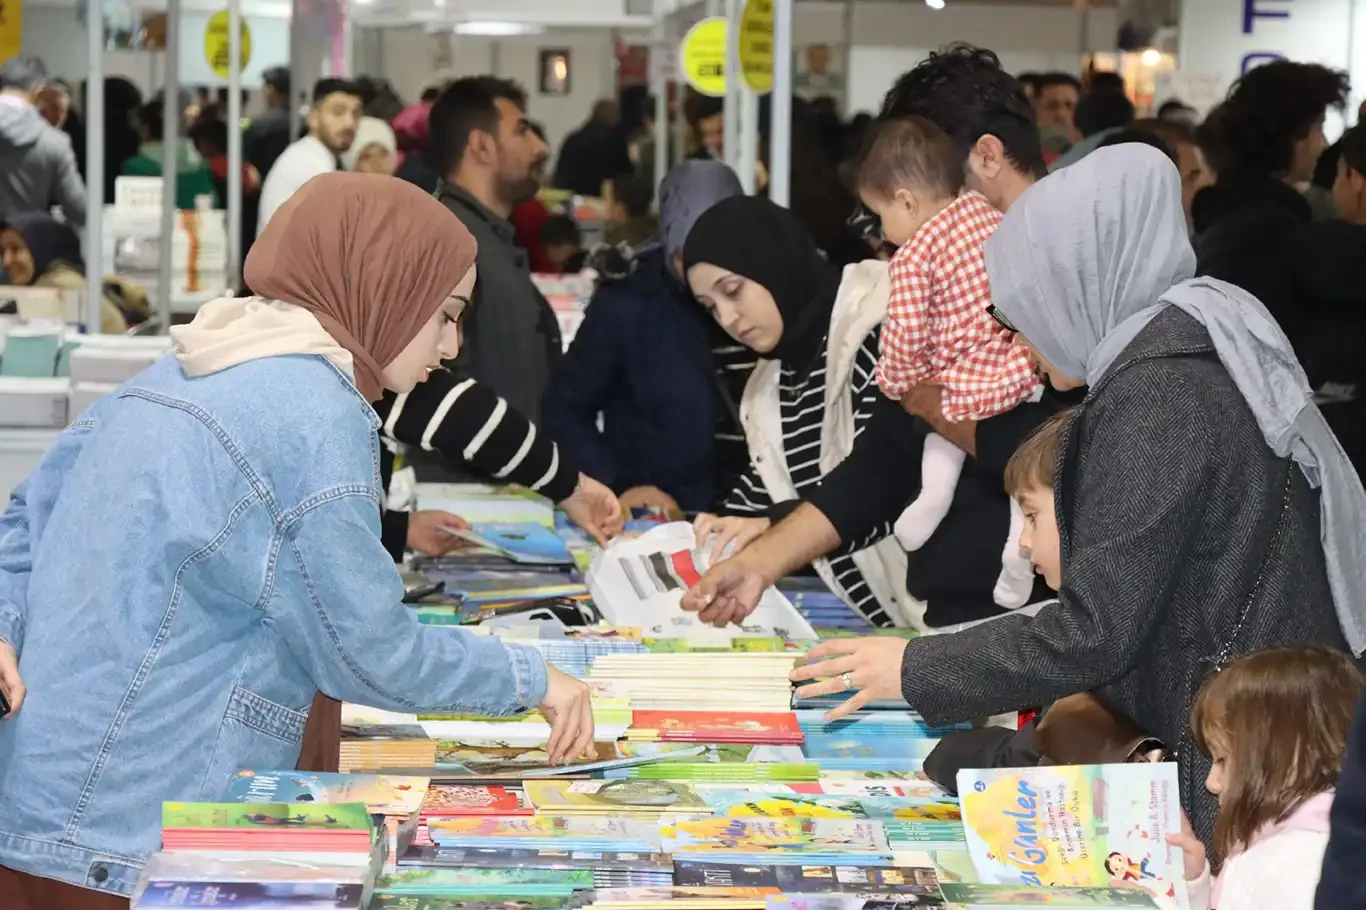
x=1000, y=318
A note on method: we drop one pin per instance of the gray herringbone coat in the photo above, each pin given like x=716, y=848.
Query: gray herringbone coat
x=1185, y=542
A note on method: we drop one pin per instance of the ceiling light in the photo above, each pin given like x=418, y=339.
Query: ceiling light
x=935, y=4
x=498, y=29
x=1152, y=57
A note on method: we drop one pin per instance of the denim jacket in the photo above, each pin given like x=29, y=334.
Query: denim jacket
x=190, y=562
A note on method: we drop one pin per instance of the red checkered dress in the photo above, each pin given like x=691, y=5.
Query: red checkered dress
x=938, y=329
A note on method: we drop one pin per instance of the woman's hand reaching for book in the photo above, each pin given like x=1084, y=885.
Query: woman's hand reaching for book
x=868, y=668
x=596, y=509
x=11, y=685
x=568, y=706
x=727, y=530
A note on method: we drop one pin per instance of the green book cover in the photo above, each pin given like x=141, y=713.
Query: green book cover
x=310, y=816
x=505, y=882
x=991, y=896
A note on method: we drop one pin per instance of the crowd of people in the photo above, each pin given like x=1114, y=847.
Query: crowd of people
x=1074, y=394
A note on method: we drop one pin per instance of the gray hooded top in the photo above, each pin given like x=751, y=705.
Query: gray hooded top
x=37, y=166
x=1111, y=266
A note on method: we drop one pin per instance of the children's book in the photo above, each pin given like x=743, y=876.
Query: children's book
x=924, y=835
x=741, y=804
x=466, y=902
x=1076, y=825
x=910, y=791
x=253, y=895
x=305, y=827
x=715, y=727
x=799, y=840
x=1000, y=897
x=614, y=797
x=457, y=799
x=512, y=882
x=547, y=832
x=852, y=901
x=804, y=879
x=381, y=794
x=521, y=542
x=489, y=858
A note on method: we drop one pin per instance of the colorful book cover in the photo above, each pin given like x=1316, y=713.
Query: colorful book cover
x=458, y=799
x=251, y=894
x=523, y=542
x=741, y=804
x=490, y=858
x=763, y=835
x=990, y=897
x=614, y=796
x=1076, y=825
x=716, y=727
x=803, y=879
x=465, y=902
x=380, y=793
x=852, y=902
x=266, y=816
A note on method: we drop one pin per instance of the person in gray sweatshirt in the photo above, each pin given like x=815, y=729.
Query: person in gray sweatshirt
x=37, y=165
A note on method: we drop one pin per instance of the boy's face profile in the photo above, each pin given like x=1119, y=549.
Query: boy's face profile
x=903, y=214
x=1040, y=534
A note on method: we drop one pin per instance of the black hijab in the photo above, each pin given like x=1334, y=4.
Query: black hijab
x=765, y=243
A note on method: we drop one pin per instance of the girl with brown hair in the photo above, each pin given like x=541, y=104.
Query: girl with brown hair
x=1274, y=725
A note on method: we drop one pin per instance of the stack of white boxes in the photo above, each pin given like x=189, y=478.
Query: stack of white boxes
x=133, y=244
x=51, y=376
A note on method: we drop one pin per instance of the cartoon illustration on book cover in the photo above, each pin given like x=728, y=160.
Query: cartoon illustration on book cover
x=1084, y=825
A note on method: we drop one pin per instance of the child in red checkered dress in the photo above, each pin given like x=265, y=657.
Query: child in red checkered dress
x=938, y=327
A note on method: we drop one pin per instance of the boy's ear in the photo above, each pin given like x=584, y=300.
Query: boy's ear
x=906, y=198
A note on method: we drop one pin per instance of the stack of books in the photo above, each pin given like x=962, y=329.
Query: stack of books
x=775, y=728
x=194, y=879
x=800, y=841
x=611, y=717
x=280, y=829
x=372, y=740
x=547, y=832
x=701, y=681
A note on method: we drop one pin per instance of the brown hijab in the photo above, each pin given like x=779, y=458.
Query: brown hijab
x=372, y=257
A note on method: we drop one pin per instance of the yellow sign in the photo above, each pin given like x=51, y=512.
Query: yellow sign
x=11, y=28
x=216, y=43
x=756, y=45
x=703, y=56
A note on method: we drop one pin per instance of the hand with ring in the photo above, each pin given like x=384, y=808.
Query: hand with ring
x=871, y=665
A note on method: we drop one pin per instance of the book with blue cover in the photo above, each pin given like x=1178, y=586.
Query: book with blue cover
x=254, y=895
x=521, y=542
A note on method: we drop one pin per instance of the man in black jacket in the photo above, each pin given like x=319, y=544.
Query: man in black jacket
x=964, y=90
x=1270, y=137
x=491, y=160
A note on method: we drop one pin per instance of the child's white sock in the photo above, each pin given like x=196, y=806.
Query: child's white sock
x=1016, y=581
x=940, y=466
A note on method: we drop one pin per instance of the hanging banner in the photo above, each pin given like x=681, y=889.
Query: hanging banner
x=756, y=45
x=11, y=28
x=702, y=57
x=216, y=37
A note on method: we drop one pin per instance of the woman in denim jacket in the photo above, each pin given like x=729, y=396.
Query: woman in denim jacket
x=200, y=553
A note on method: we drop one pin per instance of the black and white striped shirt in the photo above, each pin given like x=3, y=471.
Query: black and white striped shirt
x=467, y=423
x=801, y=406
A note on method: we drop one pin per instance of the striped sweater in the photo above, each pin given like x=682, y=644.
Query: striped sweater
x=802, y=407
x=467, y=423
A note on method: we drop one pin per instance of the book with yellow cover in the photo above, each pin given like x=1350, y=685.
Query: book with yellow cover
x=614, y=797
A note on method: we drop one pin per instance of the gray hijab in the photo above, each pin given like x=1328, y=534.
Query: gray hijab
x=1089, y=255
x=686, y=193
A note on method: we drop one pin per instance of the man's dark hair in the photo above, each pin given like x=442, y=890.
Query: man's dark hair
x=708, y=107
x=152, y=121
x=1029, y=78
x=22, y=73
x=1103, y=109
x=1173, y=107
x=559, y=230
x=430, y=94
x=465, y=106
x=1209, y=136
x=1272, y=107
x=963, y=90
x=277, y=77
x=330, y=86
x=1144, y=137
x=1106, y=79
x=910, y=153
x=1057, y=77
x=635, y=194
x=212, y=133
x=1173, y=133
x=1353, y=149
